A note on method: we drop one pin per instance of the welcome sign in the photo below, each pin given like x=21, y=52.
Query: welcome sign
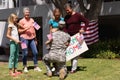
x=77, y=46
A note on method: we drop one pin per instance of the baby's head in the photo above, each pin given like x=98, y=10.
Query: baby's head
x=61, y=25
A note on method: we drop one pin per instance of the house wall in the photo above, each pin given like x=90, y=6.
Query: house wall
x=40, y=9
x=109, y=19
x=110, y=8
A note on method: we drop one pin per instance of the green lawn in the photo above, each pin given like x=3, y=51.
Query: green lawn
x=88, y=69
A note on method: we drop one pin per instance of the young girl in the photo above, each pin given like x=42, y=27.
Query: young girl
x=12, y=34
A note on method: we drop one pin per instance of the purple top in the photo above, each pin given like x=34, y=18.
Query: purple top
x=73, y=23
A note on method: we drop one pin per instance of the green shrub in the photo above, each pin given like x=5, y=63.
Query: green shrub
x=105, y=48
x=106, y=55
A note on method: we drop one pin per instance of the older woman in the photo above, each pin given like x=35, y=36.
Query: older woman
x=73, y=21
x=28, y=35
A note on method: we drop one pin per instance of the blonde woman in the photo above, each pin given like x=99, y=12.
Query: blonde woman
x=12, y=34
x=53, y=22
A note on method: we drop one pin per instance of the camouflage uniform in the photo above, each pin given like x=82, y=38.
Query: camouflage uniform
x=57, y=50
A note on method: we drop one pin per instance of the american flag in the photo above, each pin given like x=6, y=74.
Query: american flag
x=36, y=26
x=91, y=35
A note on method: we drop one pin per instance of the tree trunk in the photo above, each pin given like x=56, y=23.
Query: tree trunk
x=60, y=4
x=93, y=12
x=90, y=13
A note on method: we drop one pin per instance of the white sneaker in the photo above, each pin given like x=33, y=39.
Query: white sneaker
x=37, y=69
x=53, y=69
x=25, y=70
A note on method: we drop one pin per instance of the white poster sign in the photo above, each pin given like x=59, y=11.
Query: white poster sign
x=77, y=46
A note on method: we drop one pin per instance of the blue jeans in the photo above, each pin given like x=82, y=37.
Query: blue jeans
x=32, y=45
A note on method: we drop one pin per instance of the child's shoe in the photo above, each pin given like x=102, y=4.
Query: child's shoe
x=13, y=74
x=18, y=73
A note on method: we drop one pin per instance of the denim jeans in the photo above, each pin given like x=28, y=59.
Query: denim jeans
x=32, y=45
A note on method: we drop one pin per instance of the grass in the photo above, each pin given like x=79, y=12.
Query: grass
x=88, y=69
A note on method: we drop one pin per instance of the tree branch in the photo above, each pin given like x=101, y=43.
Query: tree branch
x=82, y=7
x=60, y=4
x=94, y=10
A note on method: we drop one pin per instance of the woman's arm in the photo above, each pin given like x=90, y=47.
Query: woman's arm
x=85, y=20
x=9, y=35
x=21, y=30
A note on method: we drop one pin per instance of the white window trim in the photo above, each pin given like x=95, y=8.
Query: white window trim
x=4, y=4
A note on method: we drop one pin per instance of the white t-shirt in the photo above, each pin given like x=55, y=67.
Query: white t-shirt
x=14, y=32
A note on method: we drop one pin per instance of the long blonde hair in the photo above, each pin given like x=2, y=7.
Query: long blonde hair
x=11, y=18
x=57, y=10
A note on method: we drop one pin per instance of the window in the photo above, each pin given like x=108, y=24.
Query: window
x=3, y=1
x=3, y=4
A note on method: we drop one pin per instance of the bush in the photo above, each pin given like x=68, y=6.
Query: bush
x=106, y=55
x=103, y=49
